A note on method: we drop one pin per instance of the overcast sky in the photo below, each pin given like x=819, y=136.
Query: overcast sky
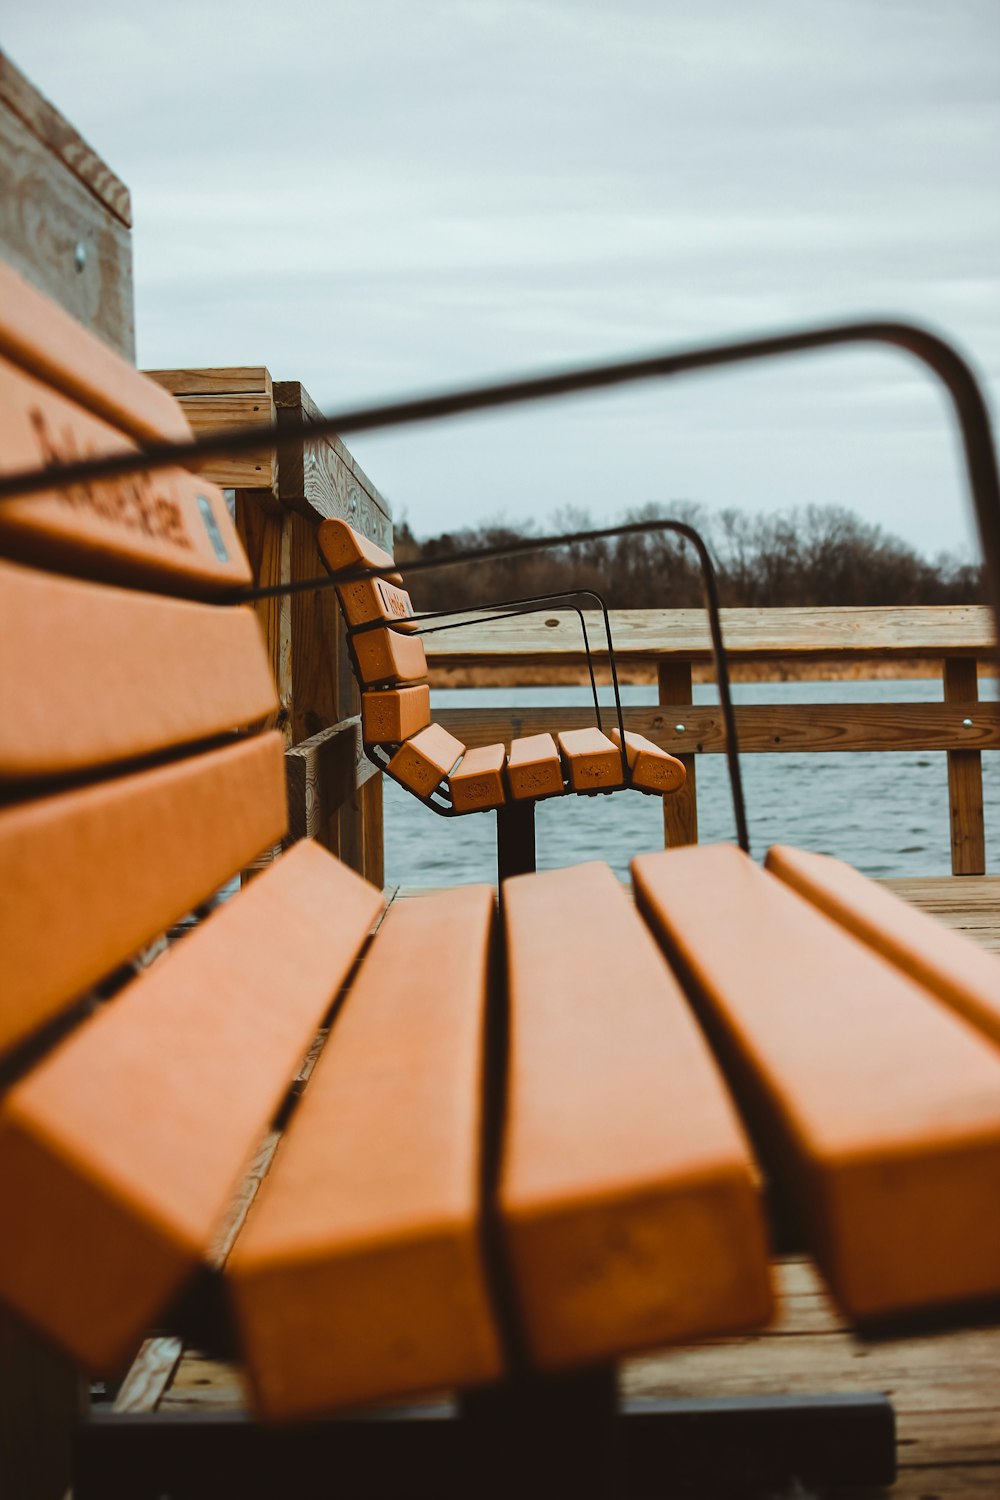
x=379, y=196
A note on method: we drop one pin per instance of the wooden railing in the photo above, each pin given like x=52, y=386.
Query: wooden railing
x=335, y=795
x=951, y=640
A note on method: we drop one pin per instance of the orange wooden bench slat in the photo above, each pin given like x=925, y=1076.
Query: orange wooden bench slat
x=649, y=766
x=426, y=759
x=43, y=339
x=477, y=781
x=593, y=763
x=168, y=530
x=881, y=1106
x=374, y=599
x=341, y=547
x=389, y=715
x=123, y=1149
x=358, y=1274
x=88, y=876
x=957, y=971
x=629, y=1200
x=124, y=673
x=534, y=768
x=389, y=656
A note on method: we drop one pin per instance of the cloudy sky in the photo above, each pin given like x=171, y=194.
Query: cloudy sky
x=381, y=196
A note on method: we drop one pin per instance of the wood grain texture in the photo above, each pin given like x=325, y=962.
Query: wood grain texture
x=680, y=812
x=844, y=634
x=965, y=778
x=54, y=131
x=150, y=1373
x=46, y=212
x=266, y=540
x=322, y=774
x=323, y=480
x=763, y=728
x=210, y=412
x=317, y=640
x=222, y=380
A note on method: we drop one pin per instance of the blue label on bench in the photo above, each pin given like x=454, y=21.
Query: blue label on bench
x=212, y=527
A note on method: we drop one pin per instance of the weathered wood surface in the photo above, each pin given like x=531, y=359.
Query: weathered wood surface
x=150, y=1373
x=970, y=905
x=761, y=727
x=267, y=542
x=323, y=480
x=55, y=132
x=322, y=774
x=218, y=380
x=228, y=397
x=64, y=216
x=845, y=634
x=965, y=777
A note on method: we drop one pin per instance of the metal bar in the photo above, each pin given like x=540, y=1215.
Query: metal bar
x=753, y=1444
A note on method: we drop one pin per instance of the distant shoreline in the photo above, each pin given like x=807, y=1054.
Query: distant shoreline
x=645, y=673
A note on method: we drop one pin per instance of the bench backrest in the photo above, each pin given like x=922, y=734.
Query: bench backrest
x=137, y=779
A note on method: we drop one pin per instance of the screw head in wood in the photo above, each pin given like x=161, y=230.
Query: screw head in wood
x=79, y=255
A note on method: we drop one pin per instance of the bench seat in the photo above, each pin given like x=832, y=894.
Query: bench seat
x=876, y=1106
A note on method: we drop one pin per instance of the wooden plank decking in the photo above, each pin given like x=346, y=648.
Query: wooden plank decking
x=945, y=1386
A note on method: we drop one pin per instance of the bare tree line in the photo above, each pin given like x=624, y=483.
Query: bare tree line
x=815, y=555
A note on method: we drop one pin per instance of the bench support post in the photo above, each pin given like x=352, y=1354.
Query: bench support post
x=680, y=809
x=515, y=839
x=543, y=1436
x=42, y=1397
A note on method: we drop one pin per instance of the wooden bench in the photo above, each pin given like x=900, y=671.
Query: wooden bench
x=399, y=735
x=516, y=1158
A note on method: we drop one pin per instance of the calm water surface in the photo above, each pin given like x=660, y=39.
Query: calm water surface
x=887, y=813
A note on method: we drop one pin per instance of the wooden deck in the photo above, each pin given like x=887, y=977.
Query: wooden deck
x=945, y=1386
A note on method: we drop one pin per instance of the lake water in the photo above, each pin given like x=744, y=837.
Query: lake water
x=886, y=813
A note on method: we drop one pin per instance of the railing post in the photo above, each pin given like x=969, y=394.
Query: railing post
x=965, y=777
x=680, y=809
x=267, y=543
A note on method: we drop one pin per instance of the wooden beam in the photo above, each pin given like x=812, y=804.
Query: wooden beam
x=267, y=542
x=55, y=132
x=965, y=775
x=218, y=380
x=228, y=397
x=762, y=728
x=322, y=774
x=323, y=481
x=928, y=633
x=64, y=216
